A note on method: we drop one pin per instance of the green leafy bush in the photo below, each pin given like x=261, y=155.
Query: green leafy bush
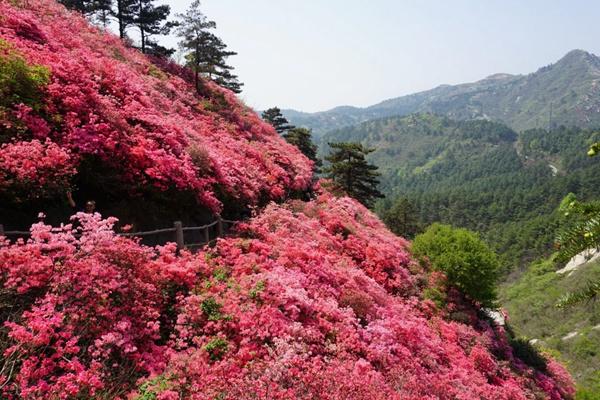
x=212, y=309
x=19, y=81
x=466, y=260
x=216, y=348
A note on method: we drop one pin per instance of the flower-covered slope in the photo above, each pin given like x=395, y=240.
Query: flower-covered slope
x=71, y=92
x=313, y=300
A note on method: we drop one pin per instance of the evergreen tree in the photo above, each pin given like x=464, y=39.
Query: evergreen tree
x=349, y=169
x=213, y=64
x=155, y=49
x=206, y=53
x=229, y=80
x=149, y=19
x=102, y=11
x=274, y=117
x=83, y=6
x=302, y=139
x=97, y=10
x=192, y=28
x=125, y=14
x=401, y=218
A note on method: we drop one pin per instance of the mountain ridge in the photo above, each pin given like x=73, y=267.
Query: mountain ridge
x=563, y=93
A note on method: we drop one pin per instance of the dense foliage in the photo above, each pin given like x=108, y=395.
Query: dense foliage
x=274, y=117
x=400, y=216
x=347, y=167
x=481, y=175
x=302, y=139
x=315, y=300
x=79, y=104
x=580, y=233
x=466, y=260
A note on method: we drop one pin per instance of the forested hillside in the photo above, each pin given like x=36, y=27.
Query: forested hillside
x=563, y=93
x=480, y=175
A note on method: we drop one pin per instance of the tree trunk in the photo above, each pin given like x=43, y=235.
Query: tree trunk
x=196, y=72
x=141, y=26
x=120, y=19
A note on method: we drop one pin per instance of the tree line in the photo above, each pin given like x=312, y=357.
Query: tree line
x=203, y=52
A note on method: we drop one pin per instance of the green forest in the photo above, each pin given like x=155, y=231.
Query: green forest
x=481, y=175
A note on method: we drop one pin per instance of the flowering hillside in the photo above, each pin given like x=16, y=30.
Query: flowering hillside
x=310, y=300
x=72, y=94
x=314, y=300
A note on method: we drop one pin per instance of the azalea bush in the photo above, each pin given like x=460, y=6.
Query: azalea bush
x=312, y=300
x=34, y=169
x=92, y=96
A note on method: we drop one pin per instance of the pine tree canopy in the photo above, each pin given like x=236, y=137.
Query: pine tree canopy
x=274, y=117
x=349, y=169
x=302, y=139
x=205, y=53
x=150, y=21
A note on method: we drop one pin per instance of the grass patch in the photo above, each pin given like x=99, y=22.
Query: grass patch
x=530, y=302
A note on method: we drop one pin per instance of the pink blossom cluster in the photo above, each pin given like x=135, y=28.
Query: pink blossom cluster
x=312, y=300
x=34, y=168
x=144, y=120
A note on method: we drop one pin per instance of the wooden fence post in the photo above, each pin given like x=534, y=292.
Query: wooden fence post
x=206, y=235
x=219, y=226
x=179, y=234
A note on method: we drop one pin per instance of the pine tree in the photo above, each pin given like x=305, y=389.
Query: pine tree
x=125, y=15
x=213, y=62
x=401, y=218
x=302, y=139
x=206, y=53
x=191, y=28
x=149, y=19
x=97, y=10
x=349, y=169
x=102, y=11
x=83, y=6
x=274, y=117
x=229, y=81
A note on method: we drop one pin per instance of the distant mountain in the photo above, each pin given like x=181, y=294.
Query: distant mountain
x=566, y=92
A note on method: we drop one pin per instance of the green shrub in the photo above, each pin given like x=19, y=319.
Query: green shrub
x=19, y=81
x=255, y=292
x=212, y=309
x=216, y=348
x=466, y=260
x=150, y=389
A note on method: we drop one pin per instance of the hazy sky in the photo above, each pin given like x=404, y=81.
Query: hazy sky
x=313, y=55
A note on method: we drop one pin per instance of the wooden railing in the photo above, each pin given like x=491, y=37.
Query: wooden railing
x=220, y=227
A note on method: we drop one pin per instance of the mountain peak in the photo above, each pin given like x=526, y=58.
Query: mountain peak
x=578, y=56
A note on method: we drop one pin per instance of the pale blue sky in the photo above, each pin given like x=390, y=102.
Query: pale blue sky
x=313, y=55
